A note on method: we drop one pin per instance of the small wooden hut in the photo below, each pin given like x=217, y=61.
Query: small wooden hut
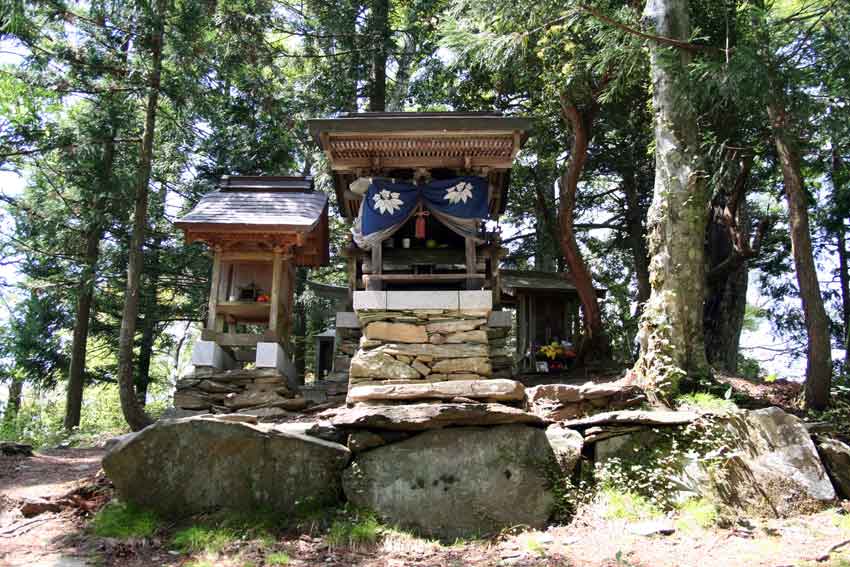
x=258, y=229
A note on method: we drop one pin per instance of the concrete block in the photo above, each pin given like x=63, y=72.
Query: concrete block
x=207, y=354
x=422, y=300
x=272, y=355
x=500, y=320
x=475, y=300
x=347, y=320
x=375, y=300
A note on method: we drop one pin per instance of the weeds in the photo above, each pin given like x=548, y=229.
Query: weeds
x=627, y=506
x=199, y=539
x=361, y=530
x=124, y=521
x=697, y=513
x=277, y=559
x=706, y=401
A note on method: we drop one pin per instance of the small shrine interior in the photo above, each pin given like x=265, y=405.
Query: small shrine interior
x=258, y=230
x=417, y=188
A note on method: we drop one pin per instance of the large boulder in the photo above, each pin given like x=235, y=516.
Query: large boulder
x=762, y=462
x=836, y=458
x=186, y=466
x=567, y=445
x=419, y=417
x=461, y=482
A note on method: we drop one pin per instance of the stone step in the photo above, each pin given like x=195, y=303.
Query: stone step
x=495, y=390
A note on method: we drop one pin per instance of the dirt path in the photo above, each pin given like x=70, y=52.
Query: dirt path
x=49, y=539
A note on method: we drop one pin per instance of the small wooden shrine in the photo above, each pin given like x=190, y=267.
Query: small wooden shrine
x=258, y=229
x=417, y=187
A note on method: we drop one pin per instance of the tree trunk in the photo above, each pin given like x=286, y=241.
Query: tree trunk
x=544, y=259
x=381, y=37
x=133, y=412
x=671, y=334
x=844, y=278
x=843, y=273
x=13, y=406
x=726, y=297
x=85, y=294
x=595, y=343
x=819, y=353
x=637, y=240
x=299, y=330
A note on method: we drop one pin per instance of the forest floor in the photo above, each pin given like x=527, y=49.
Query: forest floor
x=65, y=539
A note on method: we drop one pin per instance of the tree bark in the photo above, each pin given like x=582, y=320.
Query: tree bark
x=134, y=413
x=595, y=343
x=85, y=295
x=819, y=353
x=381, y=34
x=671, y=334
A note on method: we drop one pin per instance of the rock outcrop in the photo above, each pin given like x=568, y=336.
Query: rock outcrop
x=187, y=466
x=836, y=459
x=463, y=482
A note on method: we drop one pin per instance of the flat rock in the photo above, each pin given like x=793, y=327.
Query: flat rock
x=437, y=351
x=187, y=466
x=266, y=414
x=460, y=326
x=467, y=337
x=652, y=527
x=472, y=365
x=564, y=393
x=396, y=332
x=252, y=398
x=629, y=417
x=495, y=390
x=836, y=458
x=419, y=417
x=463, y=482
x=379, y=364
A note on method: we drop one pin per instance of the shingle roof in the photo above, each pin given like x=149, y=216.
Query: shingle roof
x=230, y=209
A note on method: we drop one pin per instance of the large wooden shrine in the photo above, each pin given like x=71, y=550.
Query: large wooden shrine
x=258, y=229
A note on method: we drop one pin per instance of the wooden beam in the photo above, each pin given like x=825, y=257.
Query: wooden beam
x=215, y=281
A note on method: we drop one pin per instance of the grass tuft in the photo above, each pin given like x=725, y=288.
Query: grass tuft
x=124, y=521
x=277, y=559
x=198, y=539
x=359, y=531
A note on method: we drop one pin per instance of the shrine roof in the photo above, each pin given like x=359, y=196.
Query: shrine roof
x=278, y=211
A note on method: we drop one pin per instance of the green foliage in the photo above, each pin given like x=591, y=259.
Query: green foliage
x=277, y=559
x=697, y=513
x=39, y=419
x=655, y=460
x=359, y=529
x=124, y=521
x=621, y=505
x=706, y=401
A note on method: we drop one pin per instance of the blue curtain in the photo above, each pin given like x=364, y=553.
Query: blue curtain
x=459, y=203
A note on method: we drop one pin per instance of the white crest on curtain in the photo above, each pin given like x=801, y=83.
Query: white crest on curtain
x=460, y=193
x=387, y=202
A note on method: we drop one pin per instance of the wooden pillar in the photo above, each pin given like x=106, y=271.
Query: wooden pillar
x=214, y=287
x=287, y=297
x=275, y=304
x=376, y=284
x=471, y=263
